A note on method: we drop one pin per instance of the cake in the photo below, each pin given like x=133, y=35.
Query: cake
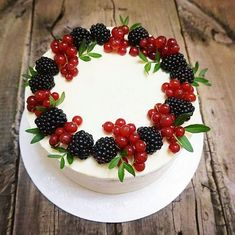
x=118, y=123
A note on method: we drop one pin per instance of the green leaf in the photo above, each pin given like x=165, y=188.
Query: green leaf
x=70, y=158
x=147, y=67
x=60, y=149
x=195, y=84
x=33, y=131
x=37, y=138
x=91, y=47
x=95, y=55
x=27, y=76
x=129, y=168
x=156, y=67
x=121, y=172
x=157, y=57
x=41, y=108
x=54, y=156
x=126, y=21
x=134, y=26
x=85, y=58
x=195, y=68
x=121, y=19
x=202, y=80
x=32, y=71
x=60, y=100
x=182, y=118
x=62, y=163
x=143, y=57
x=123, y=153
x=52, y=101
x=184, y=142
x=114, y=162
x=197, y=128
x=82, y=47
x=203, y=72
x=26, y=83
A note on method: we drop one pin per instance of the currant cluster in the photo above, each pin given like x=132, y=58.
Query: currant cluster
x=149, y=46
x=40, y=98
x=128, y=139
x=117, y=42
x=63, y=134
x=179, y=90
x=163, y=120
x=66, y=56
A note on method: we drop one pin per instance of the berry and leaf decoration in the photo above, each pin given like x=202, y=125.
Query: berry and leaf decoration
x=200, y=76
x=54, y=102
x=125, y=21
x=27, y=76
x=150, y=64
x=86, y=53
x=122, y=165
x=63, y=154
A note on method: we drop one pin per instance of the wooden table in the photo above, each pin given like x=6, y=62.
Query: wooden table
x=206, y=32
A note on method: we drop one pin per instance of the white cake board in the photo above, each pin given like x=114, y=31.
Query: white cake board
x=90, y=205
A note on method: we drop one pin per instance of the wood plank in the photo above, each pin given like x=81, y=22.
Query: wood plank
x=210, y=41
x=15, y=19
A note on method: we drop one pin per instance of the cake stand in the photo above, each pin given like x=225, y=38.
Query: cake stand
x=94, y=206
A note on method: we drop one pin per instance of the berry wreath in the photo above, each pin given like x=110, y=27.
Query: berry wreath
x=128, y=148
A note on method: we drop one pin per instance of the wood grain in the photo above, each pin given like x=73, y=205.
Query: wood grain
x=205, y=31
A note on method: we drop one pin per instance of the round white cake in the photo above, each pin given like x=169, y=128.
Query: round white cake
x=105, y=89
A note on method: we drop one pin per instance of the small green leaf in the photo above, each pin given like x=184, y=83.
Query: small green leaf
x=60, y=100
x=129, y=168
x=52, y=101
x=62, y=163
x=143, y=57
x=121, y=172
x=197, y=128
x=126, y=21
x=121, y=19
x=41, y=108
x=60, y=149
x=114, y=162
x=157, y=57
x=156, y=67
x=147, y=67
x=82, y=47
x=134, y=26
x=32, y=71
x=95, y=55
x=85, y=58
x=37, y=138
x=182, y=118
x=26, y=83
x=54, y=156
x=202, y=80
x=195, y=68
x=184, y=142
x=91, y=47
x=195, y=84
x=123, y=153
x=33, y=131
x=27, y=76
x=70, y=158
x=203, y=72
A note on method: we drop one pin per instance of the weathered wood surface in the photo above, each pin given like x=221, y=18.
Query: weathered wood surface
x=205, y=31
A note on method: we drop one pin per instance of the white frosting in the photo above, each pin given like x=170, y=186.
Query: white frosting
x=105, y=89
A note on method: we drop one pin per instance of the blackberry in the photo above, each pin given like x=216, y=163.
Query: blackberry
x=105, y=149
x=136, y=35
x=81, y=145
x=50, y=120
x=78, y=34
x=178, y=106
x=173, y=62
x=184, y=74
x=152, y=138
x=45, y=65
x=100, y=33
x=41, y=82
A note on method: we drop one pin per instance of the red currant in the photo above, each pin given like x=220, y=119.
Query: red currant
x=164, y=109
x=169, y=93
x=174, y=147
x=121, y=141
x=132, y=127
x=65, y=138
x=115, y=43
x=179, y=131
x=60, y=59
x=107, y=47
x=166, y=121
x=156, y=118
x=68, y=39
x=165, y=86
x=140, y=146
x=179, y=93
x=145, y=52
x=129, y=150
x=116, y=130
x=121, y=50
x=74, y=72
x=78, y=120
x=125, y=131
x=70, y=127
x=134, y=137
x=69, y=77
x=160, y=42
x=40, y=95
x=63, y=46
x=174, y=84
x=125, y=29
x=108, y=127
x=37, y=113
x=167, y=132
x=186, y=86
x=165, y=51
x=151, y=112
x=171, y=42
x=74, y=61
x=174, y=49
x=143, y=42
x=119, y=34
x=30, y=108
x=150, y=40
x=31, y=100
x=71, y=52
x=59, y=131
x=139, y=167
x=114, y=30
x=46, y=103
x=120, y=122
x=152, y=55
x=55, y=46
x=54, y=140
x=64, y=71
x=190, y=97
x=134, y=51
x=141, y=157
x=55, y=95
